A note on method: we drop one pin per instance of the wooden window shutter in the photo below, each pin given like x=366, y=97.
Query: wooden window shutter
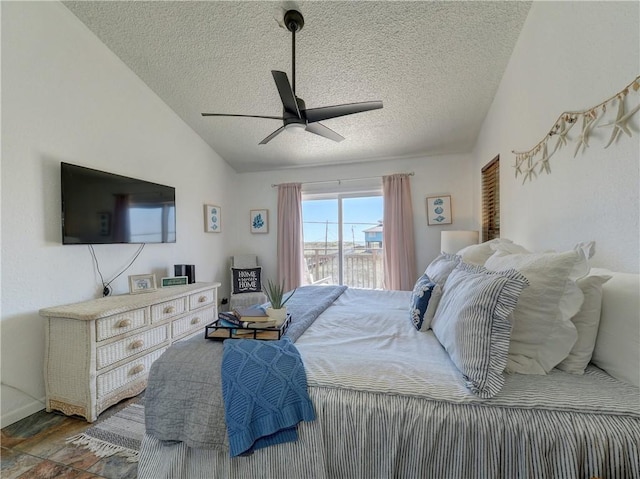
x=491, y=200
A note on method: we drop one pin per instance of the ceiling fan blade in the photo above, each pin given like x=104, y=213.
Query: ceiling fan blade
x=272, y=136
x=326, y=112
x=320, y=129
x=245, y=116
x=286, y=93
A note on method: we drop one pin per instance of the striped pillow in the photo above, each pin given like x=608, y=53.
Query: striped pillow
x=424, y=301
x=472, y=323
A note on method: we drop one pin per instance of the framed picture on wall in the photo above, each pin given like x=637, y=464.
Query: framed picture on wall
x=439, y=210
x=212, y=219
x=259, y=221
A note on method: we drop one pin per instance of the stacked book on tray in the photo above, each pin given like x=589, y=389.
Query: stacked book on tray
x=250, y=323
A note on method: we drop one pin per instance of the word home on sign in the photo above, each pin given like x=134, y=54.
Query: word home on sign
x=247, y=280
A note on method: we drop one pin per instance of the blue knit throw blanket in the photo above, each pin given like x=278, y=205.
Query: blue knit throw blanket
x=264, y=387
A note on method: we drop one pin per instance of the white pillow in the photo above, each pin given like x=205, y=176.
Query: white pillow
x=511, y=248
x=586, y=322
x=441, y=267
x=617, y=348
x=472, y=323
x=543, y=333
x=480, y=253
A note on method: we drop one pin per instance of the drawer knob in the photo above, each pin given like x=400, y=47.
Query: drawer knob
x=137, y=344
x=125, y=323
x=195, y=320
x=137, y=369
x=202, y=299
x=169, y=310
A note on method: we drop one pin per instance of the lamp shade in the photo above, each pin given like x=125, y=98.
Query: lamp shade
x=454, y=241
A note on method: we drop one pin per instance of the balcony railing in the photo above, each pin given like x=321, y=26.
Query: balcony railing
x=362, y=267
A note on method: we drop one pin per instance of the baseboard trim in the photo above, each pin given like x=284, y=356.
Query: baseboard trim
x=20, y=413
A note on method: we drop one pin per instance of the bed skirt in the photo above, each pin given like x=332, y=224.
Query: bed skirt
x=383, y=436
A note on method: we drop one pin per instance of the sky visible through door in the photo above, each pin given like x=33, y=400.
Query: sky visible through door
x=357, y=262
x=320, y=218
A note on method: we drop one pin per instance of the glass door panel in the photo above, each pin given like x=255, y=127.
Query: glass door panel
x=343, y=240
x=362, y=242
x=320, y=233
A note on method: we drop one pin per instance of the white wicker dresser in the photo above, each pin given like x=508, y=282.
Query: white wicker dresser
x=99, y=352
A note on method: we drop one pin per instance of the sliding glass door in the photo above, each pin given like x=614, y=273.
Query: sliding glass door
x=361, y=254
x=343, y=239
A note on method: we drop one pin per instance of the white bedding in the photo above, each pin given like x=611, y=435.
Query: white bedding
x=365, y=341
x=390, y=403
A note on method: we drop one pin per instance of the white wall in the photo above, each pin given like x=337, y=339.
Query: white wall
x=435, y=175
x=570, y=56
x=66, y=97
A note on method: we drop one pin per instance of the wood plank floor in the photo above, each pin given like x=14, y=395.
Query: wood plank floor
x=35, y=448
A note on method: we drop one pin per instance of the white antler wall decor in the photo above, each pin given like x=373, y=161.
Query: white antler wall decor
x=536, y=160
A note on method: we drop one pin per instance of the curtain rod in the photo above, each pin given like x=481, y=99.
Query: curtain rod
x=411, y=173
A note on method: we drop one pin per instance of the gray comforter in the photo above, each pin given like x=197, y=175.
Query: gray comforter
x=183, y=400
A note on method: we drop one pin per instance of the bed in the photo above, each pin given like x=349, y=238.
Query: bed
x=391, y=399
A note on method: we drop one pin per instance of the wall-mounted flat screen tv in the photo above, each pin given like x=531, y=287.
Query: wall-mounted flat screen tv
x=104, y=208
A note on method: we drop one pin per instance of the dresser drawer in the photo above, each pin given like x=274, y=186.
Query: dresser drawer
x=202, y=298
x=192, y=322
x=168, y=309
x=114, y=352
x=130, y=372
x=120, y=323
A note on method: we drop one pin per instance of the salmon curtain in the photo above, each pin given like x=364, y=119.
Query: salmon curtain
x=290, y=242
x=398, y=240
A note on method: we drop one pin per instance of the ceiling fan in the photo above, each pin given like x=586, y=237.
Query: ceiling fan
x=294, y=111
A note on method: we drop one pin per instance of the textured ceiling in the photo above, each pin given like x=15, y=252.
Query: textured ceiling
x=435, y=65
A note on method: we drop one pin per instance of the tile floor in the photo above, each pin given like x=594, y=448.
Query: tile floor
x=35, y=448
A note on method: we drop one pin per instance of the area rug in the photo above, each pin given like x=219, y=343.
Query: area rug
x=119, y=434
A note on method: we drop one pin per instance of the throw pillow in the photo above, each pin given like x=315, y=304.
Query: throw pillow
x=543, y=333
x=441, y=267
x=472, y=323
x=480, y=253
x=617, y=348
x=247, y=280
x=586, y=321
x=424, y=301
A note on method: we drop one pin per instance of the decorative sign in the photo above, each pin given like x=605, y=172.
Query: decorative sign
x=247, y=280
x=174, y=281
x=439, y=210
x=142, y=283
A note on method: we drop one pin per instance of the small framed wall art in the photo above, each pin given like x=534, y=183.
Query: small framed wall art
x=259, y=221
x=212, y=219
x=142, y=283
x=439, y=210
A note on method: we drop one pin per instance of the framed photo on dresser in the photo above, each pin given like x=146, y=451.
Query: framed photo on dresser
x=142, y=283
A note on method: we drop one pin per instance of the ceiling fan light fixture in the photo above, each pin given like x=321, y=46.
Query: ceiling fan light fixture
x=292, y=127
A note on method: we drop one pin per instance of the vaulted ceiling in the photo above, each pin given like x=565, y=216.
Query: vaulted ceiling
x=435, y=65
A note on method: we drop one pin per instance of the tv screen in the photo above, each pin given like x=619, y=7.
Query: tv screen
x=103, y=208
